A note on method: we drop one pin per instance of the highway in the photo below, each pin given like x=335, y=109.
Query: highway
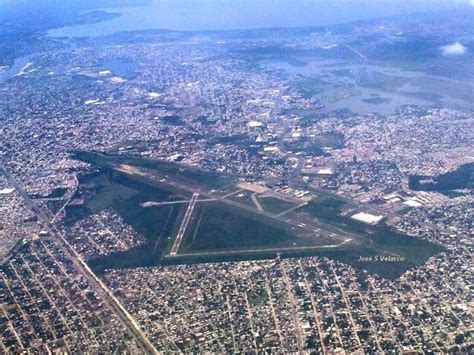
x=99, y=287
x=317, y=316
x=294, y=308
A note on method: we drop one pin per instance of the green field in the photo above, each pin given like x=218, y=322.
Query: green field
x=110, y=189
x=275, y=205
x=327, y=209
x=222, y=227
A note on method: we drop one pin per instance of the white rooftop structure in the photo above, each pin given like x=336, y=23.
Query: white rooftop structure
x=253, y=124
x=367, y=218
x=271, y=148
x=7, y=191
x=154, y=95
x=412, y=203
x=325, y=171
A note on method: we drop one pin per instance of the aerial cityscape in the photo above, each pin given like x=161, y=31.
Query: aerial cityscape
x=280, y=188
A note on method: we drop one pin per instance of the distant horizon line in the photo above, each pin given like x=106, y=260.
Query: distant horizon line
x=249, y=29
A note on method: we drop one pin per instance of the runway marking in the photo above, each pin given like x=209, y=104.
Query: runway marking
x=178, y=202
x=232, y=193
x=184, y=224
x=292, y=209
x=258, y=250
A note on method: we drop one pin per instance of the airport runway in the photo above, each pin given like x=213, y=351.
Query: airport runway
x=184, y=224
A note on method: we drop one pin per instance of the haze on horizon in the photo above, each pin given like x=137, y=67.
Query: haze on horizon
x=218, y=14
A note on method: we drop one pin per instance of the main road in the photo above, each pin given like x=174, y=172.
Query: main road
x=99, y=287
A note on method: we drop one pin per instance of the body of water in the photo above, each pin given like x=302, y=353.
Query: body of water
x=197, y=15
x=357, y=99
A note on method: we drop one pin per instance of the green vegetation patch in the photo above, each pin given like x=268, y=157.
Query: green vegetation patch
x=147, y=221
x=461, y=178
x=181, y=173
x=98, y=191
x=330, y=139
x=224, y=227
x=275, y=205
x=258, y=298
x=172, y=120
x=315, y=145
x=309, y=86
x=110, y=189
x=326, y=208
